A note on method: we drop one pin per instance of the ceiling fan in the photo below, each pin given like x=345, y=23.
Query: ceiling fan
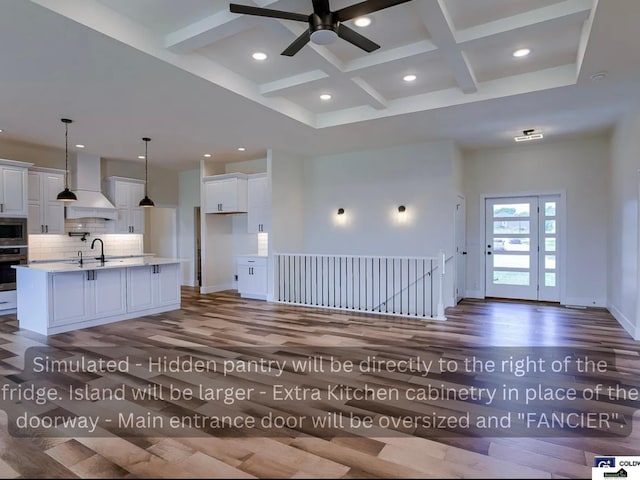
x=324, y=25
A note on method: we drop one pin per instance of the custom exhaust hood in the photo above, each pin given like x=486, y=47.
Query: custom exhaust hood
x=85, y=183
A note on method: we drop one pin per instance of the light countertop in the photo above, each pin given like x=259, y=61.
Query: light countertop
x=74, y=266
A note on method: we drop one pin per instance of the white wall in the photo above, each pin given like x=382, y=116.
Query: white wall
x=370, y=185
x=623, y=224
x=285, y=174
x=579, y=167
x=189, y=198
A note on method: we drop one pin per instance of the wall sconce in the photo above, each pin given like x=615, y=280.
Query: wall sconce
x=402, y=209
x=341, y=211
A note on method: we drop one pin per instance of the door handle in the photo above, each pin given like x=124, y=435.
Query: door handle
x=46, y=229
x=488, y=253
x=464, y=253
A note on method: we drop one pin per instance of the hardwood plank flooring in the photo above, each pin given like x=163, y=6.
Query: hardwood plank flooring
x=224, y=327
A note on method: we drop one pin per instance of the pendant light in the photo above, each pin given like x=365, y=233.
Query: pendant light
x=146, y=201
x=66, y=195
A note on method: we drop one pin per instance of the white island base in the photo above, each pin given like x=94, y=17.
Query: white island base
x=58, y=297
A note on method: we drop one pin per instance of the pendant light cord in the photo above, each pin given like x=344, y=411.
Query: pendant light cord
x=146, y=163
x=66, y=155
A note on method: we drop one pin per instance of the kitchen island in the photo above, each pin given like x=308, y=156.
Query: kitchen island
x=63, y=296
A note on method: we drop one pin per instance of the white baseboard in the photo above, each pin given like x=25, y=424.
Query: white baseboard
x=585, y=301
x=474, y=294
x=216, y=288
x=624, y=322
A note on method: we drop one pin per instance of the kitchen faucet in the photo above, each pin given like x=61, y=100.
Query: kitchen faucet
x=101, y=257
x=80, y=255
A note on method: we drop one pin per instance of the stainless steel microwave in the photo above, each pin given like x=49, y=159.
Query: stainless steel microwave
x=13, y=231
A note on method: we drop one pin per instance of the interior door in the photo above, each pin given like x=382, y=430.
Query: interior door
x=461, y=249
x=512, y=247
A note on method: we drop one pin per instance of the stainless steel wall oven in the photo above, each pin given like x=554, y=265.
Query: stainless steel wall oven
x=10, y=256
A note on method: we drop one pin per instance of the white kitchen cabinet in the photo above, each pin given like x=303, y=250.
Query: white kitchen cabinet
x=13, y=189
x=153, y=286
x=46, y=214
x=259, y=204
x=252, y=277
x=225, y=193
x=126, y=193
x=60, y=297
x=87, y=295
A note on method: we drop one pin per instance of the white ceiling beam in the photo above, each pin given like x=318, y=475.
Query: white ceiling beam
x=210, y=29
x=206, y=31
x=393, y=54
x=277, y=87
x=565, y=12
x=515, y=85
x=436, y=18
x=374, y=98
x=585, y=34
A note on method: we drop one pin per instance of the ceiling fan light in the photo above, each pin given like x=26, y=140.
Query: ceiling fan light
x=323, y=37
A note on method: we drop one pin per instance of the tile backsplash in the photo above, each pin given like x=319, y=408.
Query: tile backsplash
x=58, y=247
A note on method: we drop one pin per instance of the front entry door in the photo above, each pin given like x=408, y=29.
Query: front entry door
x=522, y=247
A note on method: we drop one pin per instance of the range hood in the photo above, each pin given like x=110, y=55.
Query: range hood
x=85, y=183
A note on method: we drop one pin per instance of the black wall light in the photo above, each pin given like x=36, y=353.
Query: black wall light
x=341, y=211
x=402, y=209
x=66, y=195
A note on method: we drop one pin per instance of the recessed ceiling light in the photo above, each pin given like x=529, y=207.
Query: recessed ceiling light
x=325, y=97
x=141, y=157
x=522, y=52
x=362, y=22
x=207, y=155
x=598, y=76
x=259, y=56
x=241, y=149
x=79, y=145
x=409, y=78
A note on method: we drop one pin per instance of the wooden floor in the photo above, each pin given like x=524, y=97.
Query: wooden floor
x=225, y=321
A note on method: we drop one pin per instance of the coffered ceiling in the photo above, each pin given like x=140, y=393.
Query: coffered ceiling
x=183, y=70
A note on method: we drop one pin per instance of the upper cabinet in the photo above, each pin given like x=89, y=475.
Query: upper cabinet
x=13, y=188
x=225, y=193
x=46, y=214
x=126, y=193
x=259, y=204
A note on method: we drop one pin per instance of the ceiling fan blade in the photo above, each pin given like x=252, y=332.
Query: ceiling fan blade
x=267, y=12
x=355, y=38
x=297, y=44
x=365, y=8
x=321, y=7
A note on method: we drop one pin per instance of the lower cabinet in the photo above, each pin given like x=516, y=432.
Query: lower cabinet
x=153, y=286
x=252, y=277
x=59, y=301
x=86, y=295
